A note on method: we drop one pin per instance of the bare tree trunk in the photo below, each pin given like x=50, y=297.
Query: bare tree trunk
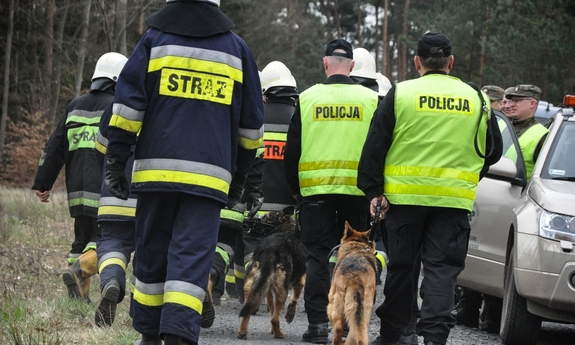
x=483, y=46
x=6, y=86
x=48, y=58
x=336, y=18
x=82, y=42
x=385, y=65
x=120, y=27
x=402, y=63
x=58, y=58
x=359, y=25
x=376, y=45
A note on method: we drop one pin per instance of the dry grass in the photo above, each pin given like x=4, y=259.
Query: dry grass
x=35, y=239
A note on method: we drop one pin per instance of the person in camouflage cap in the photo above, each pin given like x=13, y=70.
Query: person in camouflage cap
x=496, y=95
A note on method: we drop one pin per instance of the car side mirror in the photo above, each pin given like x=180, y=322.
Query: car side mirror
x=505, y=168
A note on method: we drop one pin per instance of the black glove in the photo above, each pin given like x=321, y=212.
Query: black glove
x=236, y=190
x=115, y=177
x=255, y=202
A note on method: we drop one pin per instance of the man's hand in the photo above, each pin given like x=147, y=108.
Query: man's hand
x=115, y=177
x=255, y=203
x=382, y=201
x=43, y=195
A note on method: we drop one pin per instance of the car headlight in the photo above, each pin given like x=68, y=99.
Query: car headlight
x=557, y=226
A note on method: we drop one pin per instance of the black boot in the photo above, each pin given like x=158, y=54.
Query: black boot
x=490, y=318
x=208, y=311
x=409, y=337
x=170, y=339
x=466, y=312
x=106, y=310
x=149, y=340
x=316, y=333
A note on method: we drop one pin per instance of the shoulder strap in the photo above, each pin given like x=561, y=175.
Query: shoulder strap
x=484, y=110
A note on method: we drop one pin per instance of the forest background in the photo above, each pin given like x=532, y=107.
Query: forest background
x=49, y=49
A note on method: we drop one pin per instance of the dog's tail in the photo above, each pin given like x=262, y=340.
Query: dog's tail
x=262, y=278
x=355, y=315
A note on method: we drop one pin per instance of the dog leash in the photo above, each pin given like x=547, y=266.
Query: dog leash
x=375, y=221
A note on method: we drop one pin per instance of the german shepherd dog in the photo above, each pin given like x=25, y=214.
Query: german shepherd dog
x=278, y=263
x=352, y=290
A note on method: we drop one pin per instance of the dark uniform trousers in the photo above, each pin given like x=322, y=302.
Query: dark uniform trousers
x=230, y=235
x=322, y=219
x=86, y=230
x=176, y=235
x=118, y=240
x=442, y=235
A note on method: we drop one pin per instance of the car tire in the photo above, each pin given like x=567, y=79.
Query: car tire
x=518, y=326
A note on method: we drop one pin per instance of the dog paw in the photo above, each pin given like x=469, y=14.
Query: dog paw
x=243, y=335
x=290, y=314
x=279, y=335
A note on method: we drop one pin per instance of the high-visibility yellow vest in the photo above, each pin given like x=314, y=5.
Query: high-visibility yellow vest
x=432, y=160
x=528, y=142
x=335, y=119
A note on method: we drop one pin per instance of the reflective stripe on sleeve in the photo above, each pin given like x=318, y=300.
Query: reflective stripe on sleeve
x=83, y=198
x=251, y=139
x=114, y=206
x=126, y=118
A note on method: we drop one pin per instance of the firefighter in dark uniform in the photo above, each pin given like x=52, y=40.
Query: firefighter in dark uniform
x=192, y=92
x=424, y=178
x=72, y=144
x=323, y=147
x=280, y=95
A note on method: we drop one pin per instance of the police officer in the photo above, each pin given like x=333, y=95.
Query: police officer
x=193, y=94
x=72, y=144
x=424, y=180
x=323, y=146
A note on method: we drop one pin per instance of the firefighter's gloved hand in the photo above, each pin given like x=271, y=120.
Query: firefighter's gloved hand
x=232, y=202
x=255, y=202
x=115, y=177
x=236, y=190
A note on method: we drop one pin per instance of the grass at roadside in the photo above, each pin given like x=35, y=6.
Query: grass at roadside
x=35, y=239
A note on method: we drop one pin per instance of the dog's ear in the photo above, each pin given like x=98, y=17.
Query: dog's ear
x=347, y=231
x=286, y=214
x=288, y=211
x=365, y=234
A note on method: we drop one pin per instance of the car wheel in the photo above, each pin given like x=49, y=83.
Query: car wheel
x=518, y=326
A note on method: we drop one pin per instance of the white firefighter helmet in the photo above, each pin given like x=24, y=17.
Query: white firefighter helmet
x=109, y=66
x=276, y=74
x=364, y=64
x=384, y=84
x=217, y=2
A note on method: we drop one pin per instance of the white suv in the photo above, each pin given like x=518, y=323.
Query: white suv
x=522, y=239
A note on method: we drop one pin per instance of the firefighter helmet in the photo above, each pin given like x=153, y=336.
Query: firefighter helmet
x=216, y=2
x=384, y=84
x=276, y=74
x=109, y=66
x=364, y=64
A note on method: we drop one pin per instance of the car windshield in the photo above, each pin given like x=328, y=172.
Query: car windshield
x=561, y=160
